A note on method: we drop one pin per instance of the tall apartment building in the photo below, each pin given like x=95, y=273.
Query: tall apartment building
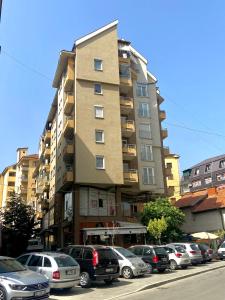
x=102, y=139
x=7, y=184
x=172, y=176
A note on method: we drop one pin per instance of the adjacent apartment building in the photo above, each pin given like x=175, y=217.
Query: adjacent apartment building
x=172, y=176
x=101, y=152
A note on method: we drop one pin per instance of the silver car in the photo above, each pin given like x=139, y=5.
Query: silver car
x=61, y=269
x=16, y=282
x=193, y=251
x=178, y=257
x=130, y=264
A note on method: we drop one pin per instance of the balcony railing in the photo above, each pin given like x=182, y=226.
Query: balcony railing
x=68, y=151
x=128, y=128
x=164, y=133
x=126, y=104
x=47, y=136
x=130, y=176
x=162, y=115
x=166, y=151
x=69, y=76
x=129, y=151
x=69, y=103
x=68, y=128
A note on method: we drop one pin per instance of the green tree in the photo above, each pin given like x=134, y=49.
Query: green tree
x=156, y=227
x=174, y=217
x=17, y=224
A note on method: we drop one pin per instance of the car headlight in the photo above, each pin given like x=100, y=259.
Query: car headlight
x=18, y=287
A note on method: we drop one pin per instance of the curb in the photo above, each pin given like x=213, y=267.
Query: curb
x=159, y=283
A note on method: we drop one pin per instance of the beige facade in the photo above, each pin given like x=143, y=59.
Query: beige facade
x=173, y=176
x=7, y=181
x=106, y=149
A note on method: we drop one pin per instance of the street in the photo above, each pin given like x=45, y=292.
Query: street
x=205, y=286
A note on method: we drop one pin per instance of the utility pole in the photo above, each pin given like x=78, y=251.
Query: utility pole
x=0, y=8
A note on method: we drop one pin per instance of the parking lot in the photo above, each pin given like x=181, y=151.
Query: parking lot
x=126, y=286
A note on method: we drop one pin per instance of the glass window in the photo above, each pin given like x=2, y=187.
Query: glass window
x=99, y=136
x=125, y=252
x=98, y=88
x=35, y=261
x=100, y=162
x=146, y=152
x=106, y=254
x=148, y=176
x=147, y=251
x=10, y=265
x=220, y=177
x=208, y=180
x=137, y=251
x=197, y=171
x=98, y=64
x=88, y=254
x=142, y=90
x=145, y=131
x=65, y=261
x=196, y=183
x=222, y=163
x=144, y=110
x=207, y=168
x=47, y=262
x=124, y=70
x=76, y=253
x=99, y=113
x=23, y=259
x=160, y=250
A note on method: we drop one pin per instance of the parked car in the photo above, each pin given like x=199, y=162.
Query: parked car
x=130, y=264
x=62, y=270
x=16, y=282
x=193, y=251
x=97, y=263
x=206, y=251
x=221, y=251
x=178, y=257
x=155, y=257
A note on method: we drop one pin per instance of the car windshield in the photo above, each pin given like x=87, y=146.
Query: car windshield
x=194, y=247
x=65, y=261
x=10, y=265
x=160, y=250
x=222, y=245
x=180, y=249
x=106, y=254
x=126, y=253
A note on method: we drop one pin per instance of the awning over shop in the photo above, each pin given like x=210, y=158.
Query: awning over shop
x=114, y=230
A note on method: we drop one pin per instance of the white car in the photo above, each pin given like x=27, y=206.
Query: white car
x=178, y=257
x=130, y=264
x=221, y=251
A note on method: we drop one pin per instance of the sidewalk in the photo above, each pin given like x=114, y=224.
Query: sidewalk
x=100, y=291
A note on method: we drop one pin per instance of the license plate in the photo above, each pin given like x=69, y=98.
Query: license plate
x=40, y=293
x=164, y=259
x=109, y=270
x=70, y=272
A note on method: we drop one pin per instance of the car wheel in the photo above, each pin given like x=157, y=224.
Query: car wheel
x=173, y=264
x=184, y=267
x=2, y=294
x=85, y=280
x=127, y=273
x=108, y=281
x=161, y=270
x=150, y=269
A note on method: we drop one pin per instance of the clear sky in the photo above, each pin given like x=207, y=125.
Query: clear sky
x=184, y=42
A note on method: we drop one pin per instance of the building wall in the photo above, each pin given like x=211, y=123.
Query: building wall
x=8, y=182
x=174, y=180
x=204, y=221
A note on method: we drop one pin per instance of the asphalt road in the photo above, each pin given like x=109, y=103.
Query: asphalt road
x=205, y=286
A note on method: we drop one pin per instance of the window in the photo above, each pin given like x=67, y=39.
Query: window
x=35, y=261
x=147, y=252
x=99, y=136
x=23, y=259
x=208, y=180
x=100, y=203
x=88, y=254
x=222, y=164
x=220, y=177
x=100, y=162
x=76, y=253
x=98, y=64
x=144, y=110
x=142, y=90
x=207, y=168
x=196, y=172
x=12, y=173
x=98, y=88
x=137, y=251
x=196, y=183
x=47, y=262
x=148, y=175
x=146, y=152
x=145, y=131
x=99, y=113
x=124, y=71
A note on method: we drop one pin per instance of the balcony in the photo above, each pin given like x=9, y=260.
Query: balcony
x=130, y=176
x=69, y=77
x=44, y=204
x=166, y=151
x=47, y=152
x=162, y=115
x=24, y=167
x=68, y=151
x=133, y=74
x=68, y=177
x=68, y=129
x=164, y=133
x=129, y=152
x=124, y=60
x=160, y=99
x=69, y=103
x=128, y=128
x=168, y=172
x=126, y=104
x=47, y=136
x=24, y=178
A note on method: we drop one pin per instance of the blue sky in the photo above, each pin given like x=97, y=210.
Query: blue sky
x=184, y=42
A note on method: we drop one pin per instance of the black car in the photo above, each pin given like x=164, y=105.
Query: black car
x=97, y=263
x=206, y=252
x=155, y=257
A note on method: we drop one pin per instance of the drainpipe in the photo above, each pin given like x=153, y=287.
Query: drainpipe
x=222, y=219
